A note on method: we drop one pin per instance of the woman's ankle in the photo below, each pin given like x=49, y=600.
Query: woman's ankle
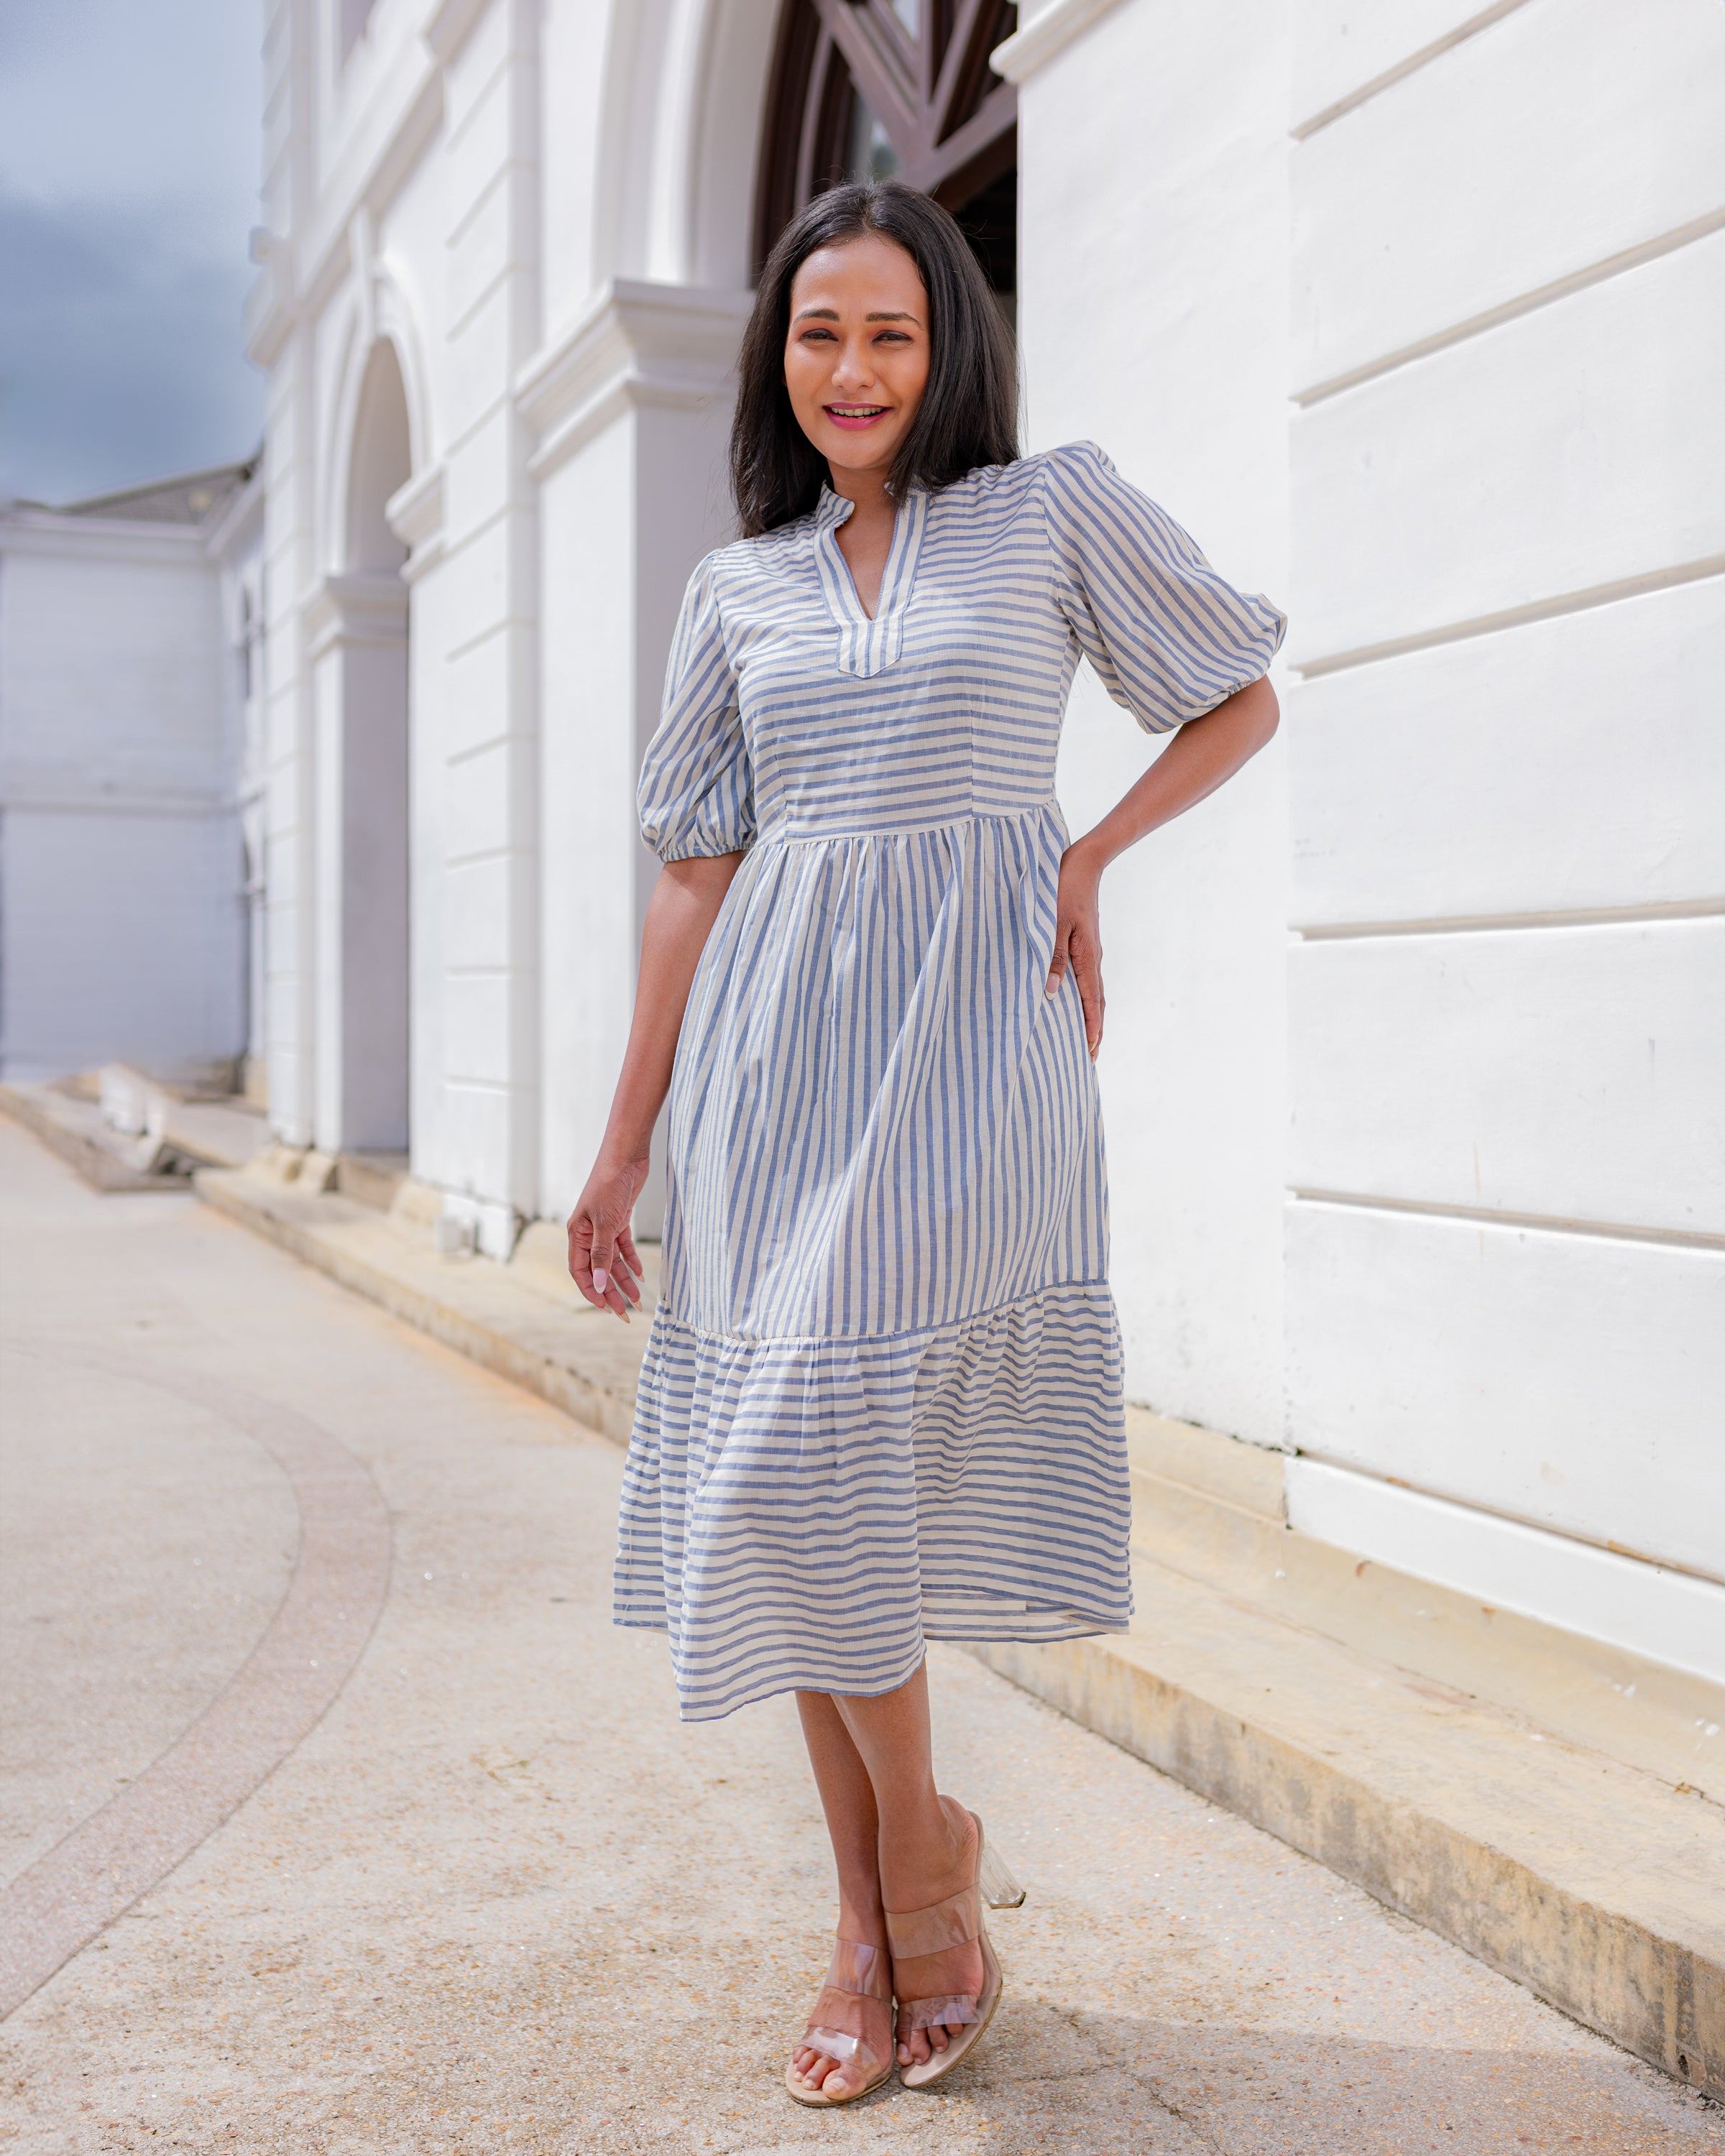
x=862, y=1918
x=925, y=1866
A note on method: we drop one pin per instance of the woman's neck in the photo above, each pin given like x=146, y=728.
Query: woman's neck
x=868, y=489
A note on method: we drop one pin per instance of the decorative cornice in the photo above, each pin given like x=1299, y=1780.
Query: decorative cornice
x=414, y=513
x=639, y=343
x=1019, y=56
x=355, y=609
x=30, y=530
x=296, y=281
x=243, y=514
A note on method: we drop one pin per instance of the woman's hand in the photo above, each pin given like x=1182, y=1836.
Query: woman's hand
x=603, y=1259
x=1205, y=753
x=1078, y=936
x=681, y=913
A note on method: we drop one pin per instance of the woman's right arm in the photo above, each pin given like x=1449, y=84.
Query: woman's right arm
x=684, y=903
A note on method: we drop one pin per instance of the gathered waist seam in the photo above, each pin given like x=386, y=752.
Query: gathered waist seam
x=706, y=1334
x=906, y=831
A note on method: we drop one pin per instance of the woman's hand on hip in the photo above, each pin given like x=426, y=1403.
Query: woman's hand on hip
x=1078, y=937
x=603, y=1259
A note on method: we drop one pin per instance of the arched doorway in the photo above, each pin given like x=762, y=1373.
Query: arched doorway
x=870, y=89
x=374, y=754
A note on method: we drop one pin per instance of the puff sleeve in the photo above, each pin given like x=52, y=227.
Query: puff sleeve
x=695, y=796
x=1169, y=638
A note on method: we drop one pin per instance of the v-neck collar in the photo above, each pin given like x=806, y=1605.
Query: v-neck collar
x=869, y=647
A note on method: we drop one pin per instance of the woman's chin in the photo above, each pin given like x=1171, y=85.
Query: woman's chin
x=858, y=450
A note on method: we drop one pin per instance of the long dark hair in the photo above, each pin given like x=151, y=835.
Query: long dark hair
x=968, y=415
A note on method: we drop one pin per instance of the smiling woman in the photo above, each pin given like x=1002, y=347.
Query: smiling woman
x=944, y=363
x=881, y=1400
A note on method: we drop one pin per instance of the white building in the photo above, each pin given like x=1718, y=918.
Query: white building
x=1412, y=313
x=129, y=871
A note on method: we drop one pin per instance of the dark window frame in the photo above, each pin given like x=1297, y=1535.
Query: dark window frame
x=952, y=121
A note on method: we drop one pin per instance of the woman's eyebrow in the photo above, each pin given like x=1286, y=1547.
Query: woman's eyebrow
x=831, y=314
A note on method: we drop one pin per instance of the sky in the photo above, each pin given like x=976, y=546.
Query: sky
x=130, y=150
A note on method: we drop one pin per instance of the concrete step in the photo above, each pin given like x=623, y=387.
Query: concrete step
x=371, y=1179
x=71, y=1124
x=1527, y=1795
x=1185, y=1517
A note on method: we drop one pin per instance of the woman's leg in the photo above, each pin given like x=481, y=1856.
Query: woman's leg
x=847, y=1797
x=928, y=1847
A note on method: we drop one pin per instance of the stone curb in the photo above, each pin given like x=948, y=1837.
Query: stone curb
x=94, y=1165
x=1438, y=1805
x=1434, y=1802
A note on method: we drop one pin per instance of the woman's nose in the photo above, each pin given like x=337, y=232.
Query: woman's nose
x=854, y=369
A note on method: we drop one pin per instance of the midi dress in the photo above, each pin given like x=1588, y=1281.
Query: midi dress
x=880, y=1401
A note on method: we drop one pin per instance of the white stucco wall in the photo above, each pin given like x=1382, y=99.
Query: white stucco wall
x=1153, y=311
x=1411, y=316
x=1507, y=1224
x=123, y=921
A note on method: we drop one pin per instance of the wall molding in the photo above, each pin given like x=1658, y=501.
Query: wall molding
x=1492, y=624
x=50, y=531
x=1403, y=68
x=1489, y=924
x=1489, y=1216
x=415, y=514
x=355, y=609
x=1019, y=56
x=673, y=346
x=1525, y=303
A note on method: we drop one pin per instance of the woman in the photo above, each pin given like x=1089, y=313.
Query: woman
x=880, y=1402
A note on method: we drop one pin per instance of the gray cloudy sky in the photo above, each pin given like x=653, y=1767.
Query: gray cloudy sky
x=129, y=162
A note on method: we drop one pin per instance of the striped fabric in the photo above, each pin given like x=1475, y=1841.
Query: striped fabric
x=881, y=1397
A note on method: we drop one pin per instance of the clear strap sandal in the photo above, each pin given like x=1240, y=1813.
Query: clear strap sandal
x=837, y=2028
x=953, y=1922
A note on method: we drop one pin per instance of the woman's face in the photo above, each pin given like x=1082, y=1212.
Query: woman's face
x=856, y=353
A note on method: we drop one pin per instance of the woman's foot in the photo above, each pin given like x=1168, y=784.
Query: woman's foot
x=952, y=1973
x=853, y=2015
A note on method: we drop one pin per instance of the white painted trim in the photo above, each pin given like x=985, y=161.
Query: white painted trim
x=240, y=521
x=1671, y=1617
x=1019, y=56
x=639, y=343
x=99, y=538
x=1489, y=624
x=355, y=609
x=1403, y=68
x=1491, y=1216
x=1486, y=924
x=414, y=512
x=1526, y=303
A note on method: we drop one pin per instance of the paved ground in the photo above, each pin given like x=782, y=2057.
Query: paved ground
x=497, y=1898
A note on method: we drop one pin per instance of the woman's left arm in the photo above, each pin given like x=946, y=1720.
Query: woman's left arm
x=1203, y=753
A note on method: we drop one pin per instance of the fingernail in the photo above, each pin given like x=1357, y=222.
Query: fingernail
x=601, y=1279
x=1053, y=982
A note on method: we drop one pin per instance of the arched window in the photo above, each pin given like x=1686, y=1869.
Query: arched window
x=866, y=89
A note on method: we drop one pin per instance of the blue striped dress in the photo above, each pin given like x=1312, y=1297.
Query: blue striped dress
x=880, y=1401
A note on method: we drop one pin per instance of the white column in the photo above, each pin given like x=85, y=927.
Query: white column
x=632, y=408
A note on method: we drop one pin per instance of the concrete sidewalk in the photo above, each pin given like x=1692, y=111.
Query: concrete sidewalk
x=496, y=1898
x=1549, y=1803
